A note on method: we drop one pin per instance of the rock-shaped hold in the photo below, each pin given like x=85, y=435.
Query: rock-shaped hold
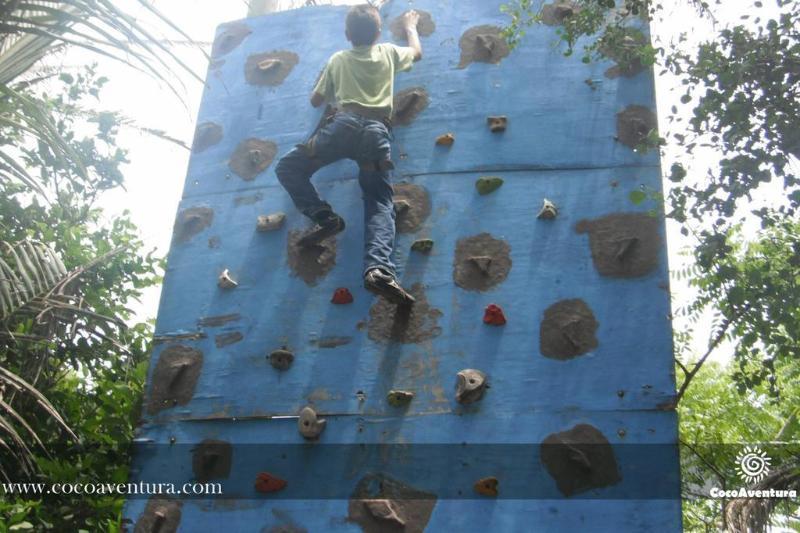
x=559, y=11
x=401, y=207
x=422, y=246
x=266, y=483
x=483, y=44
x=412, y=205
x=549, y=211
x=409, y=103
x=270, y=68
x=488, y=486
x=281, y=359
x=309, y=425
x=161, y=515
x=493, y=315
x=497, y=124
x=252, y=157
x=211, y=459
x=269, y=64
x=226, y=281
x=488, y=184
x=206, y=135
x=482, y=262
x=192, y=221
x=230, y=36
x=470, y=386
x=567, y=330
x=634, y=124
x=446, y=139
x=384, y=510
x=175, y=377
x=425, y=26
x=399, y=398
x=623, y=244
x=342, y=296
x=270, y=222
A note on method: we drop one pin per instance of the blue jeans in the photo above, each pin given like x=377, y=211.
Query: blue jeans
x=366, y=141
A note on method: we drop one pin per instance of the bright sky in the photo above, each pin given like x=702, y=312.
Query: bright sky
x=155, y=176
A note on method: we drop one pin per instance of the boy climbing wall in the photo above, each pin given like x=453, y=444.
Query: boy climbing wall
x=359, y=82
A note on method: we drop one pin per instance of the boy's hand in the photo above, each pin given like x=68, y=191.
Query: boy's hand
x=410, y=20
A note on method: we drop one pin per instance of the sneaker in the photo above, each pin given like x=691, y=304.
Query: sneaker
x=327, y=227
x=378, y=282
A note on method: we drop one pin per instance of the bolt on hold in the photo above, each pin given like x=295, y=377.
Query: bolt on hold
x=270, y=222
x=482, y=262
x=342, y=296
x=399, y=398
x=384, y=510
x=266, y=483
x=470, y=386
x=488, y=184
x=493, y=315
x=225, y=281
x=401, y=207
x=281, y=359
x=446, y=139
x=488, y=486
x=422, y=246
x=497, y=124
x=309, y=425
x=549, y=211
x=269, y=64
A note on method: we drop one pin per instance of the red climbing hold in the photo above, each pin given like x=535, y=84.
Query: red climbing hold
x=342, y=296
x=266, y=482
x=494, y=316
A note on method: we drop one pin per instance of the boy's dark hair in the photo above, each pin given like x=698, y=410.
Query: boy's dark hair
x=363, y=24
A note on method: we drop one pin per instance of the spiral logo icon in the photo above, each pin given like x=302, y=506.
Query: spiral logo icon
x=753, y=464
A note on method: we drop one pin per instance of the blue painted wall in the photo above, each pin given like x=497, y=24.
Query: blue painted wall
x=560, y=145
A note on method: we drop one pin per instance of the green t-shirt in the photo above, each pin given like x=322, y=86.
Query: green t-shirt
x=364, y=75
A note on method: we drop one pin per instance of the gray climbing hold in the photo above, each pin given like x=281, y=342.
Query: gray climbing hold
x=422, y=246
x=270, y=222
x=470, y=386
x=549, y=211
x=225, y=281
x=384, y=510
x=309, y=425
x=399, y=398
x=497, y=124
x=482, y=262
x=281, y=359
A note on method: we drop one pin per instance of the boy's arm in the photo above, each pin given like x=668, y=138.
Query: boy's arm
x=323, y=89
x=410, y=20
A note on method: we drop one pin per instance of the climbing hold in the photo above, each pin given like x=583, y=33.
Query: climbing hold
x=470, y=386
x=309, y=425
x=556, y=13
x=161, y=515
x=623, y=245
x=409, y=103
x=211, y=459
x=399, y=398
x=623, y=52
x=269, y=68
x=342, y=296
x=190, y=222
x=446, y=140
x=579, y=459
x=270, y=222
x=482, y=262
x=266, y=483
x=269, y=64
x=484, y=44
x=206, y=135
x=401, y=207
x=252, y=157
x=281, y=359
x=225, y=280
x=412, y=506
x=634, y=124
x=422, y=246
x=230, y=37
x=497, y=124
x=383, y=510
x=493, y=315
x=567, y=330
x=487, y=184
x=226, y=339
x=418, y=202
x=487, y=486
x=549, y=211
x=175, y=377
x=310, y=263
x=425, y=26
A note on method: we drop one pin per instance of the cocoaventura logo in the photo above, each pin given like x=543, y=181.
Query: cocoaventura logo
x=752, y=466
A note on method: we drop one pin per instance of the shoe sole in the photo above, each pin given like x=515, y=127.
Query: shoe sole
x=392, y=295
x=317, y=236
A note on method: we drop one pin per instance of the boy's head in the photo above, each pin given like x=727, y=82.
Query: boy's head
x=363, y=25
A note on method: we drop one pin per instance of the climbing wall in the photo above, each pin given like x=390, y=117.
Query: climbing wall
x=530, y=388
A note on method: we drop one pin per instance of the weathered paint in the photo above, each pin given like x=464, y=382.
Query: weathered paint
x=559, y=144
